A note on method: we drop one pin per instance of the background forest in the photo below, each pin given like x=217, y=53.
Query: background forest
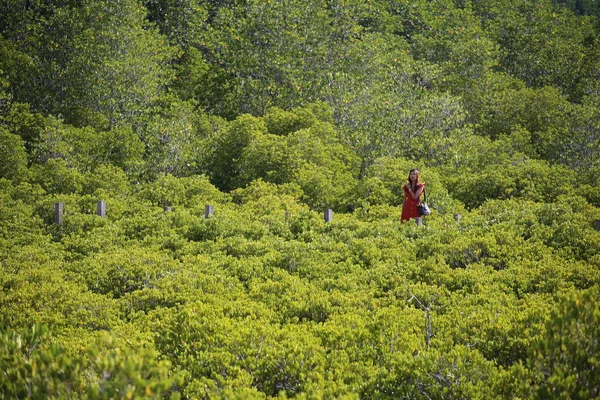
x=272, y=111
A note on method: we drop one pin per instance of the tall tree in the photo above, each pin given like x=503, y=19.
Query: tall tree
x=386, y=104
x=27, y=51
x=541, y=44
x=119, y=62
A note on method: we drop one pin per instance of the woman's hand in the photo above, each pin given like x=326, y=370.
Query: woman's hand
x=415, y=195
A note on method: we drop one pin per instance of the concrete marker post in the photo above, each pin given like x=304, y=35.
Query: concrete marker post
x=58, y=213
x=101, y=208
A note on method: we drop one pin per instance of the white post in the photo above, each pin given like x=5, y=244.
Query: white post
x=58, y=213
x=419, y=221
x=101, y=208
x=328, y=215
x=208, y=210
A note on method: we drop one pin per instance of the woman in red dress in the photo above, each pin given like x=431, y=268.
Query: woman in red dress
x=412, y=196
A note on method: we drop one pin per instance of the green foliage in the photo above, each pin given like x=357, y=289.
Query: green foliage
x=529, y=51
x=520, y=177
x=271, y=112
x=13, y=156
x=37, y=295
x=180, y=21
x=579, y=147
x=565, y=358
x=206, y=83
x=56, y=177
x=306, y=152
x=275, y=54
x=174, y=138
x=265, y=298
x=21, y=120
x=86, y=149
x=325, y=170
x=107, y=180
x=228, y=147
x=118, y=63
x=271, y=359
x=117, y=273
x=21, y=224
x=459, y=373
x=388, y=107
x=34, y=367
x=280, y=122
x=190, y=191
x=266, y=157
x=584, y=7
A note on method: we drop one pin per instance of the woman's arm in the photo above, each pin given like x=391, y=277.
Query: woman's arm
x=415, y=195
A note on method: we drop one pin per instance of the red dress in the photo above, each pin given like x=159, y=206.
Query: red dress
x=409, y=207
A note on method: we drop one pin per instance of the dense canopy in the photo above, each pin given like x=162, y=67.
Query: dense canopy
x=272, y=112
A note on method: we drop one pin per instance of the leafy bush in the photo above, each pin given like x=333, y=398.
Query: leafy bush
x=13, y=156
x=37, y=368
